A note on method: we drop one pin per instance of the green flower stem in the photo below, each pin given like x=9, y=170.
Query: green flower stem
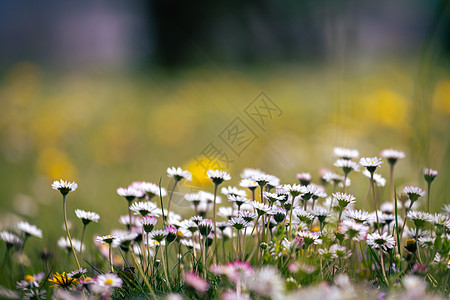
x=171, y=195
x=428, y=196
x=382, y=268
x=290, y=219
x=68, y=232
x=391, y=183
x=82, y=236
x=345, y=181
x=375, y=201
x=142, y=273
x=215, y=225
x=164, y=263
x=111, y=258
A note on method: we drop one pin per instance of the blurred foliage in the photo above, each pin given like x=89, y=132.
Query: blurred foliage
x=105, y=129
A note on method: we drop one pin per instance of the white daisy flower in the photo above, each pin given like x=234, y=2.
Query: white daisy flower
x=310, y=237
x=392, y=155
x=338, y=251
x=412, y=233
x=148, y=223
x=30, y=281
x=86, y=216
x=10, y=239
x=343, y=199
x=106, y=239
x=304, y=215
x=64, y=243
x=260, y=208
x=273, y=181
x=145, y=208
x=413, y=192
x=371, y=163
x=379, y=180
x=358, y=216
x=353, y=230
x=125, y=220
x=420, y=218
x=248, y=183
x=249, y=173
x=295, y=189
x=177, y=174
x=130, y=193
x=77, y=273
x=29, y=229
x=247, y=215
x=384, y=241
x=266, y=282
x=238, y=200
x=108, y=280
x=149, y=189
x=273, y=197
x=158, y=235
x=345, y=153
x=426, y=241
x=218, y=176
x=64, y=186
x=346, y=165
x=304, y=178
x=320, y=213
x=262, y=179
x=441, y=221
x=208, y=197
x=331, y=177
x=446, y=209
x=238, y=223
x=429, y=174
x=124, y=240
x=205, y=226
x=226, y=212
x=233, y=191
x=387, y=208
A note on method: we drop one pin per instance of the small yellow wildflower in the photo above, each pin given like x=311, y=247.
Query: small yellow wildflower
x=62, y=280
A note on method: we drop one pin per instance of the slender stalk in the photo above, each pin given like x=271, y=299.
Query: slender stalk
x=142, y=274
x=345, y=181
x=339, y=219
x=375, y=201
x=68, y=232
x=391, y=183
x=290, y=219
x=215, y=225
x=171, y=195
x=223, y=250
x=82, y=236
x=164, y=267
x=204, y=256
x=382, y=268
x=238, y=244
x=129, y=216
x=428, y=196
x=111, y=258
x=362, y=255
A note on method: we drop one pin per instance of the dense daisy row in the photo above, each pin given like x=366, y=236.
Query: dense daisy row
x=297, y=230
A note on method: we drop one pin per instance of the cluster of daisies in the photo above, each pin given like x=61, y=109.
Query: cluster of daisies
x=299, y=230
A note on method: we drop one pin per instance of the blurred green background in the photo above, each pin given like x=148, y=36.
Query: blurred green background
x=105, y=93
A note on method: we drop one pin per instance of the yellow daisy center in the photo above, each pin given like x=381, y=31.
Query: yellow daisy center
x=109, y=281
x=29, y=278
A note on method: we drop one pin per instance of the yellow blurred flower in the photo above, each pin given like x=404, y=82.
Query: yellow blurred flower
x=55, y=163
x=442, y=96
x=385, y=107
